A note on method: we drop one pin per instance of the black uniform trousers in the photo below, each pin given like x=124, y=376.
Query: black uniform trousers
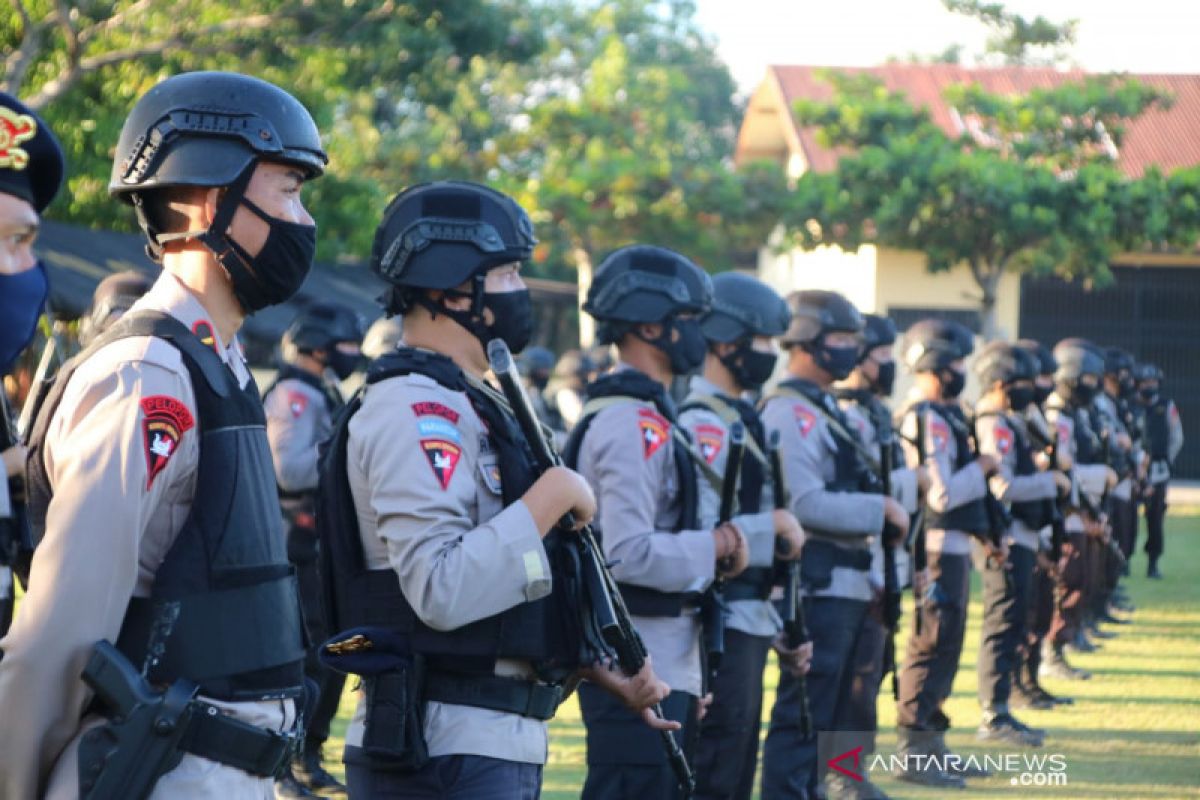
x=1038, y=621
x=1124, y=522
x=860, y=714
x=790, y=768
x=727, y=751
x=626, y=759
x=456, y=777
x=933, y=653
x=1156, y=512
x=1072, y=575
x=1006, y=592
x=302, y=552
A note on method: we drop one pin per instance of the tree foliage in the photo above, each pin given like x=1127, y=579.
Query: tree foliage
x=1015, y=39
x=1031, y=185
x=611, y=122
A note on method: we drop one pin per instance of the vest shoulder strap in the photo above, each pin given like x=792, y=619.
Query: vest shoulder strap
x=839, y=430
x=729, y=415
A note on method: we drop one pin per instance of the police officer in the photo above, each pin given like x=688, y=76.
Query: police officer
x=321, y=344
x=537, y=364
x=1006, y=373
x=1068, y=411
x=31, y=171
x=1027, y=691
x=113, y=297
x=1113, y=405
x=123, y=487
x=452, y=543
x=936, y=434
x=839, y=502
x=627, y=444
x=1164, y=440
x=862, y=398
x=565, y=390
x=746, y=314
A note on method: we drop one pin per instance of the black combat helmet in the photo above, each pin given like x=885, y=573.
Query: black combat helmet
x=320, y=326
x=644, y=283
x=438, y=235
x=1078, y=358
x=1116, y=360
x=877, y=332
x=1047, y=365
x=114, y=295
x=1004, y=362
x=207, y=129
x=816, y=312
x=932, y=345
x=744, y=307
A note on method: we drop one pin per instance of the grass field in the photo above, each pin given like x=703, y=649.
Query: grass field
x=1134, y=731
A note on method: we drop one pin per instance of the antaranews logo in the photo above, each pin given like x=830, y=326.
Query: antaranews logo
x=847, y=754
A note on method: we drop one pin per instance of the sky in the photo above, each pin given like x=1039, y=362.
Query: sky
x=1146, y=36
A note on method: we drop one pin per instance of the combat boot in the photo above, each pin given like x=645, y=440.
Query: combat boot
x=288, y=788
x=839, y=787
x=309, y=772
x=1023, y=695
x=1054, y=665
x=921, y=761
x=998, y=725
x=1152, y=570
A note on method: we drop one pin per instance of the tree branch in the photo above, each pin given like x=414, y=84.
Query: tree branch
x=17, y=63
x=115, y=21
x=179, y=38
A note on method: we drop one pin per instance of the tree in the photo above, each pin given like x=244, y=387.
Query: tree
x=1032, y=187
x=1016, y=39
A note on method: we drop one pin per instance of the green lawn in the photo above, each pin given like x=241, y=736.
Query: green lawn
x=1134, y=731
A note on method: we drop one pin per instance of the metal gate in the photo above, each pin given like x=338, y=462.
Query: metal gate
x=1153, y=312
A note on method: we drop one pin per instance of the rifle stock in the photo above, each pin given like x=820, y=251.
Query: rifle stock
x=604, y=599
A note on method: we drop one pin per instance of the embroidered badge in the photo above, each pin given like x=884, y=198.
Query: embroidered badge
x=939, y=435
x=1064, y=432
x=654, y=429
x=14, y=129
x=1004, y=439
x=438, y=429
x=297, y=402
x=805, y=420
x=432, y=409
x=490, y=471
x=710, y=438
x=443, y=458
x=164, y=422
x=204, y=332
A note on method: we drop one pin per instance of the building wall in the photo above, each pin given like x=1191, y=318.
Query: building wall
x=831, y=268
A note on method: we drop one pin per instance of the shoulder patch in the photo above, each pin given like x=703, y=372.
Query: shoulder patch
x=297, y=403
x=710, y=438
x=204, y=332
x=654, y=429
x=435, y=409
x=939, y=434
x=443, y=458
x=1004, y=438
x=805, y=419
x=1063, y=426
x=165, y=420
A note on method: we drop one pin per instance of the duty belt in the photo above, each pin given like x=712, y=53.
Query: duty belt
x=219, y=737
x=511, y=695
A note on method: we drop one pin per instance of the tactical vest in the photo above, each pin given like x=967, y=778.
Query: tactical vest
x=223, y=609
x=971, y=517
x=753, y=583
x=1158, y=429
x=635, y=386
x=1035, y=514
x=544, y=632
x=15, y=539
x=851, y=473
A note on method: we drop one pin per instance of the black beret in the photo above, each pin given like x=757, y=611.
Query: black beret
x=31, y=161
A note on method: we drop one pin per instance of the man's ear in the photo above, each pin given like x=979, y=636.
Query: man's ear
x=208, y=205
x=650, y=330
x=723, y=349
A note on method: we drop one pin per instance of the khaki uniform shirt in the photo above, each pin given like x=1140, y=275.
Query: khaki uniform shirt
x=710, y=434
x=298, y=420
x=847, y=519
x=426, y=487
x=948, y=488
x=1090, y=478
x=628, y=457
x=119, y=501
x=998, y=436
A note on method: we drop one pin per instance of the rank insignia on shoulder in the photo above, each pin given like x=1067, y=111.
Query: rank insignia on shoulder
x=443, y=458
x=204, y=332
x=805, y=420
x=653, y=428
x=710, y=438
x=165, y=420
x=297, y=403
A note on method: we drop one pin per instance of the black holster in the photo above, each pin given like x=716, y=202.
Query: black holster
x=394, y=735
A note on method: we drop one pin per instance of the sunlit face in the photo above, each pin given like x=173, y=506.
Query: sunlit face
x=505, y=278
x=275, y=188
x=18, y=232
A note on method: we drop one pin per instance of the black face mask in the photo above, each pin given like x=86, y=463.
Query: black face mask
x=839, y=362
x=953, y=383
x=685, y=353
x=1128, y=388
x=343, y=364
x=1019, y=397
x=277, y=272
x=886, y=379
x=750, y=368
x=1148, y=393
x=1041, y=393
x=1082, y=393
x=512, y=314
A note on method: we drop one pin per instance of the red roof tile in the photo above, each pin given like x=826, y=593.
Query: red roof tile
x=1170, y=139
